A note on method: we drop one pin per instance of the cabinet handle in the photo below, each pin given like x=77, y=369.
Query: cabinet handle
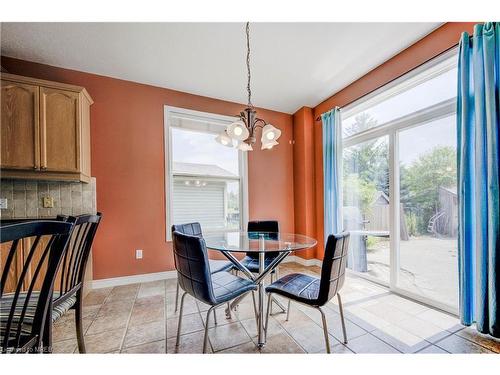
x=35, y=167
x=44, y=167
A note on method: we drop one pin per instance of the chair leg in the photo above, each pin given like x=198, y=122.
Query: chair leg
x=215, y=318
x=177, y=296
x=47, y=333
x=288, y=310
x=205, y=337
x=180, y=321
x=268, y=312
x=341, y=310
x=228, y=311
x=78, y=322
x=325, y=330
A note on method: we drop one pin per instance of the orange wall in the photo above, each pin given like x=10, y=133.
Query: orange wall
x=128, y=163
x=440, y=40
x=304, y=177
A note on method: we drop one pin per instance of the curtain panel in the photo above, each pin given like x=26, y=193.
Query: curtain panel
x=478, y=114
x=332, y=171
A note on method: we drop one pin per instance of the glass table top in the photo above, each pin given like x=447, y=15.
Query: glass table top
x=237, y=241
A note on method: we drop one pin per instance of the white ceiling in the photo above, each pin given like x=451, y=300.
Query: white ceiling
x=293, y=64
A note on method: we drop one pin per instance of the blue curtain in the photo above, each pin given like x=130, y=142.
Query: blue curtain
x=332, y=172
x=478, y=114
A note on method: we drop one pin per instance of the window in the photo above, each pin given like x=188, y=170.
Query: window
x=206, y=182
x=399, y=184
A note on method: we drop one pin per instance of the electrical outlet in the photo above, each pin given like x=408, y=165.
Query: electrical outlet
x=48, y=202
x=138, y=254
x=3, y=203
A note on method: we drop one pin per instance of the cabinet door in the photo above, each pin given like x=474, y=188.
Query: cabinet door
x=19, y=127
x=59, y=130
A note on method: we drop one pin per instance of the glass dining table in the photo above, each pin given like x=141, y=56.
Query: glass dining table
x=230, y=244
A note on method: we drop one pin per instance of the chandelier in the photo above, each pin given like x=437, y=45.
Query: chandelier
x=242, y=133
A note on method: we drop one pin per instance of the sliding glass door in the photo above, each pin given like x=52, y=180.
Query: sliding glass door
x=366, y=207
x=429, y=211
x=399, y=184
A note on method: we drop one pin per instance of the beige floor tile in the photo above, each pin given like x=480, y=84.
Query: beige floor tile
x=154, y=288
x=246, y=348
x=433, y=349
x=387, y=312
x=308, y=335
x=370, y=344
x=251, y=328
x=154, y=300
x=227, y=336
x=221, y=317
x=281, y=343
x=157, y=347
x=190, y=343
x=486, y=341
x=364, y=319
x=115, y=307
x=457, y=344
x=334, y=323
x=123, y=292
x=143, y=313
x=144, y=333
x=96, y=296
x=104, y=342
x=190, y=305
x=108, y=323
x=440, y=319
x=190, y=323
x=400, y=339
x=423, y=329
x=66, y=331
x=171, y=285
x=64, y=347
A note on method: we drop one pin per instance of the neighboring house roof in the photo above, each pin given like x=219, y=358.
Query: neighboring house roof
x=380, y=198
x=451, y=190
x=194, y=169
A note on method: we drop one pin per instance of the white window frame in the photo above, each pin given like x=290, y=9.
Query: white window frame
x=392, y=129
x=208, y=123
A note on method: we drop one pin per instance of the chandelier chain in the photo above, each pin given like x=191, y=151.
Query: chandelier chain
x=248, y=66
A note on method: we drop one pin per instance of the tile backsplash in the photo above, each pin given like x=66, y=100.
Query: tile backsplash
x=25, y=198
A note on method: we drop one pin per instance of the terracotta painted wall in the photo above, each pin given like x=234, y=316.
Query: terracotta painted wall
x=304, y=177
x=128, y=163
x=439, y=41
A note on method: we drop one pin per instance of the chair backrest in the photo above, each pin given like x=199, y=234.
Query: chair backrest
x=271, y=226
x=34, y=250
x=193, y=269
x=193, y=229
x=334, y=265
x=73, y=265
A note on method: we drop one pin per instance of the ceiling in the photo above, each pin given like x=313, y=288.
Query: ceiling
x=293, y=64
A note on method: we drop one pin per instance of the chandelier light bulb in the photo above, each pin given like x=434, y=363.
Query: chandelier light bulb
x=270, y=133
x=224, y=139
x=238, y=130
x=268, y=145
x=245, y=146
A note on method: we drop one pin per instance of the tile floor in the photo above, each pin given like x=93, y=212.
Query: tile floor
x=131, y=319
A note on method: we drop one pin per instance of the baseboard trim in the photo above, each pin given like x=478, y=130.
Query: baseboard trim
x=302, y=261
x=133, y=279
x=144, y=278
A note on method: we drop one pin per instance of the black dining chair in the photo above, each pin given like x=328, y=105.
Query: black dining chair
x=194, y=229
x=251, y=260
x=316, y=292
x=34, y=250
x=196, y=279
x=68, y=291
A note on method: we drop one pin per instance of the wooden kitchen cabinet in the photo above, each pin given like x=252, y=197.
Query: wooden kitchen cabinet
x=45, y=130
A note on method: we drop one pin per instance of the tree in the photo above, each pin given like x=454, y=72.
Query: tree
x=368, y=160
x=421, y=181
